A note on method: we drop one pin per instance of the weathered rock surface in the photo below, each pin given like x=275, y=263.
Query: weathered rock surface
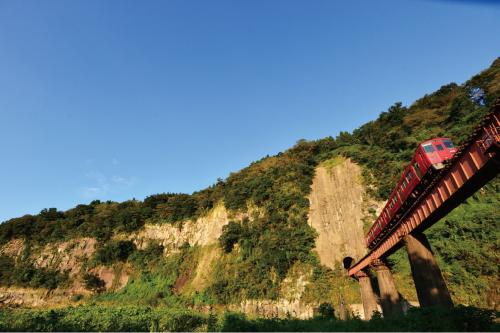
x=281, y=308
x=115, y=277
x=12, y=248
x=66, y=256
x=16, y=297
x=29, y=297
x=338, y=203
x=204, y=231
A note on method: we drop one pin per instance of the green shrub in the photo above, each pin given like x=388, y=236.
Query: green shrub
x=230, y=235
x=153, y=253
x=25, y=274
x=93, y=282
x=460, y=319
x=181, y=322
x=326, y=310
x=113, y=251
x=100, y=319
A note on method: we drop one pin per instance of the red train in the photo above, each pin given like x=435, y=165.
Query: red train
x=429, y=157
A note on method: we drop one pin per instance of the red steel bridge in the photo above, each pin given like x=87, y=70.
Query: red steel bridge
x=475, y=163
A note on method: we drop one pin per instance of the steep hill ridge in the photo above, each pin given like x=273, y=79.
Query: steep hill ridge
x=73, y=255
x=336, y=213
x=282, y=221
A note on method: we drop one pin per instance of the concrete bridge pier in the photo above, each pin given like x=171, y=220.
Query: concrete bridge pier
x=429, y=282
x=389, y=295
x=367, y=296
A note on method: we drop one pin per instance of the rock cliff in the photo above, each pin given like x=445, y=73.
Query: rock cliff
x=204, y=231
x=338, y=205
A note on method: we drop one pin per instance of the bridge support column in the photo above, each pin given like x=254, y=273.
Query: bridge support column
x=367, y=295
x=389, y=296
x=429, y=282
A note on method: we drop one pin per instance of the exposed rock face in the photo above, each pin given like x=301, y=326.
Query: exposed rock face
x=275, y=309
x=204, y=231
x=66, y=256
x=29, y=297
x=338, y=203
x=16, y=297
x=289, y=304
x=114, y=277
x=13, y=248
x=294, y=284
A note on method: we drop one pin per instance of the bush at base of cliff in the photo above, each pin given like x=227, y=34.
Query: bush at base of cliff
x=459, y=319
x=102, y=319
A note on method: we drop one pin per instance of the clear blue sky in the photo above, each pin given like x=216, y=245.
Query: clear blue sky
x=117, y=99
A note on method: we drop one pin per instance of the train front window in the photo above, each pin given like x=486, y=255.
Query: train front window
x=439, y=147
x=448, y=144
x=428, y=148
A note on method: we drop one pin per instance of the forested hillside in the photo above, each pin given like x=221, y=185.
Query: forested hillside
x=268, y=239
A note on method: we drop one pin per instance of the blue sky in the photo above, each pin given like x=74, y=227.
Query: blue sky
x=113, y=100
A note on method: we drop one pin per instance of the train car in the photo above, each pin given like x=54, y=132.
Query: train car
x=428, y=158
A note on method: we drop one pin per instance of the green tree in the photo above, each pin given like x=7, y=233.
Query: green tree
x=231, y=234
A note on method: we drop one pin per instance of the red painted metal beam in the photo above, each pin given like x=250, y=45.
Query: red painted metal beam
x=475, y=163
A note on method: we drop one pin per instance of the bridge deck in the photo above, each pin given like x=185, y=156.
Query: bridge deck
x=475, y=163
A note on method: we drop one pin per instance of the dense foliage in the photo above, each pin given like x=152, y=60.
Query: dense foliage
x=25, y=274
x=101, y=319
x=387, y=144
x=265, y=256
x=113, y=251
x=155, y=279
x=143, y=318
x=467, y=244
x=103, y=219
x=231, y=234
x=460, y=319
